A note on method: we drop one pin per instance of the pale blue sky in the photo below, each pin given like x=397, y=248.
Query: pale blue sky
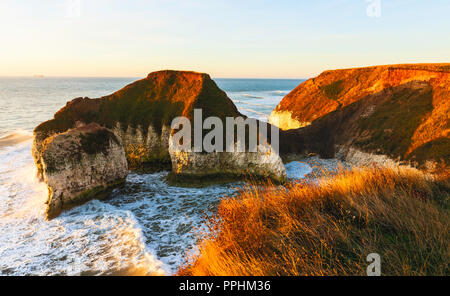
x=227, y=38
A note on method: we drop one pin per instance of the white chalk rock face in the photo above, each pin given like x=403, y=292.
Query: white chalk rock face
x=144, y=148
x=285, y=121
x=360, y=158
x=265, y=163
x=81, y=164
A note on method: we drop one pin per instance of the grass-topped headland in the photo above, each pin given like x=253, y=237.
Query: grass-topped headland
x=150, y=103
x=400, y=111
x=330, y=226
x=155, y=101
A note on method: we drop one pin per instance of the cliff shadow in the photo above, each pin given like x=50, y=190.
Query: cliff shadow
x=382, y=123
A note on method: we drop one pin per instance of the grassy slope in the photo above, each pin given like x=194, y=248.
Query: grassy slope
x=329, y=229
x=155, y=101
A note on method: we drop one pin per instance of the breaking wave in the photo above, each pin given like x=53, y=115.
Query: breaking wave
x=94, y=239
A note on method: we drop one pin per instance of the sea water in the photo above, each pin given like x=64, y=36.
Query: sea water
x=145, y=227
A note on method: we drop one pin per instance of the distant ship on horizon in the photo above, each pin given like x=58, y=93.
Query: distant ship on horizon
x=38, y=76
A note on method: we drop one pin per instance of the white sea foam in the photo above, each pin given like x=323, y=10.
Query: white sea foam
x=96, y=238
x=252, y=104
x=253, y=96
x=146, y=226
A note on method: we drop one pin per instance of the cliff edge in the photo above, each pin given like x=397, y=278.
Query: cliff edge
x=401, y=111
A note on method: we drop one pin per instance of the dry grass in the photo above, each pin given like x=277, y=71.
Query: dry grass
x=329, y=227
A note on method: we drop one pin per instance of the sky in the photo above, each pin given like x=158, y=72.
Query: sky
x=226, y=38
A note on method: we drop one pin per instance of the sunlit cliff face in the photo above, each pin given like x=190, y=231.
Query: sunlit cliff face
x=381, y=91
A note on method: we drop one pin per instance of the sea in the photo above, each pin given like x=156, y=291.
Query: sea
x=146, y=227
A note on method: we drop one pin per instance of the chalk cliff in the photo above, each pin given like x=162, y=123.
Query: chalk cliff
x=141, y=113
x=401, y=111
x=139, y=117
x=80, y=164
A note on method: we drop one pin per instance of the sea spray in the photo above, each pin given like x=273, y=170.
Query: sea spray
x=94, y=239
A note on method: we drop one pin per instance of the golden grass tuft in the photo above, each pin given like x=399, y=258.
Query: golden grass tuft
x=329, y=227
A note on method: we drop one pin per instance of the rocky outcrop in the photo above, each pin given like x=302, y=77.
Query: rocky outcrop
x=140, y=117
x=265, y=163
x=80, y=164
x=140, y=114
x=401, y=111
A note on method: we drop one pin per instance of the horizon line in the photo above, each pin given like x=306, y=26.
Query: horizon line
x=139, y=77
